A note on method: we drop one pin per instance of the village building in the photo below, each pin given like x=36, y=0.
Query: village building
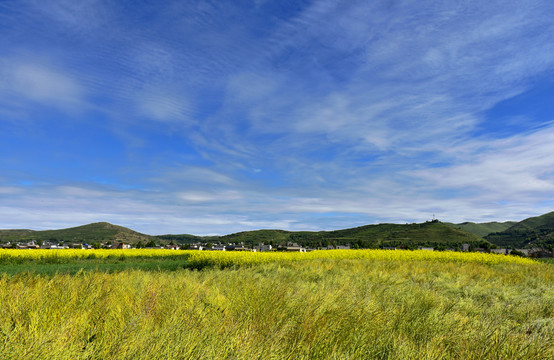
x=121, y=245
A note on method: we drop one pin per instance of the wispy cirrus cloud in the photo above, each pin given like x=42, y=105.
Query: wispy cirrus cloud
x=39, y=83
x=519, y=167
x=434, y=63
x=318, y=115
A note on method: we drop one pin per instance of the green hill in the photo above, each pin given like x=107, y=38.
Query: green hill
x=483, y=229
x=186, y=238
x=96, y=232
x=256, y=236
x=536, y=231
x=432, y=233
x=545, y=221
x=15, y=235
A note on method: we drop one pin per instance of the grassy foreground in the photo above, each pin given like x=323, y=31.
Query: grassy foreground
x=316, y=308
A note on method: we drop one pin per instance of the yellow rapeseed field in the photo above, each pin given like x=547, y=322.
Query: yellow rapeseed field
x=225, y=258
x=41, y=254
x=334, y=304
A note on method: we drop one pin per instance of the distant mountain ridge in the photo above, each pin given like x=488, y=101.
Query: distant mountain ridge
x=483, y=229
x=535, y=231
x=432, y=233
x=95, y=232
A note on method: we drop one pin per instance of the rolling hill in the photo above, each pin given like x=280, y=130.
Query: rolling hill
x=532, y=232
x=536, y=231
x=96, y=232
x=483, y=229
x=15, y=235
x=433, y=233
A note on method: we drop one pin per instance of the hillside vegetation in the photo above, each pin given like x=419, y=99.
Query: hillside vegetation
x=483, y=229
x=432, y=233
x=15, y=235
x=532, y=232
x=96, y=232
x=535, y=231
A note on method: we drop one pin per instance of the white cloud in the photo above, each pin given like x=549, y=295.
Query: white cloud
x=160, y=105
x=81, y=192
x=205, y=196
x=197, y=175
x=39, y=83
x=361, y=109
x=429, y=70
x=10, y=190
x=86, y=15
x=512, y=171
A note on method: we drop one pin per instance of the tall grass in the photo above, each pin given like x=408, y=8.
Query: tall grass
x=316, y=309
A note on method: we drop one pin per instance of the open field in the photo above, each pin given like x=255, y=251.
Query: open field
x=73, y=261
x=336, y=305
x=222, y=259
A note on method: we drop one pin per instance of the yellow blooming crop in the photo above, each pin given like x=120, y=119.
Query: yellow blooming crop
x=63, y=254
x=224, y=259
x=229, y=258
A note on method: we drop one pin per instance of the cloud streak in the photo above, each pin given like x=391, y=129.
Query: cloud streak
x=205, y=117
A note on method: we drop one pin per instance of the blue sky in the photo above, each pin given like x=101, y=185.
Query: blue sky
x=211, y=117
